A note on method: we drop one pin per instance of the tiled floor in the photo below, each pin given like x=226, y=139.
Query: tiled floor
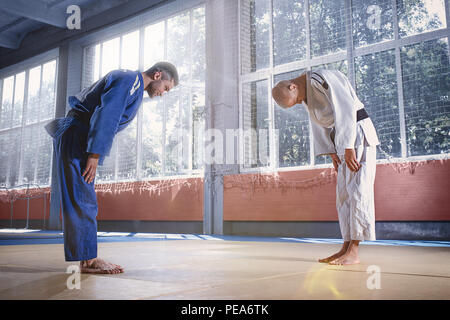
x=202, y=267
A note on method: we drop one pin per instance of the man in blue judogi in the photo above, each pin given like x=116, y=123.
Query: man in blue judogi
x=81, y=142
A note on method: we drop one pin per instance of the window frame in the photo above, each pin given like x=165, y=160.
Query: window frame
x=140, y=25
x=13, y=70
x=349, y=55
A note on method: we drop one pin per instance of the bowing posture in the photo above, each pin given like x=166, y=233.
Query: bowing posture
x=343, y=130
x=81, y=142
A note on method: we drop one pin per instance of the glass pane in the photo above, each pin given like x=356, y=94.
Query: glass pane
x=106, y=172
x=88, y=67
x=127, y=140
x=96, y=63
x=152, y=137
x=327, y=22
x=29, y=154
x=44, y=161
x=256, y=124
x=254, y=33
x=4, y=157
x=130, y=51
x=19, y=91
x=417, y=16
x=372, y=22
x=376, y=87
x=293, y=126
x=7, y=100
x=198, y=126
x=34, y=84
x=174, y=133
x=48, y=91
x=198, y=46
x=186, y=129
x=154, y=44
x=426, y=91
x=14, y=156
x=289, y=31
x=178, y=44
x=110, y=56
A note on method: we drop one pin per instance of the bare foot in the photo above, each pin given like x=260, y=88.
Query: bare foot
x=345, y=260
x=349, y=257
x=97, y=265
x=336, y=255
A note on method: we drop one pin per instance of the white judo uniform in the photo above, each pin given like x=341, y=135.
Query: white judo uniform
x=333, y=107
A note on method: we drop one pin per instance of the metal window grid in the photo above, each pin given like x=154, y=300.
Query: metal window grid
x=26, y=67
x=348, y=55
x=190, y=171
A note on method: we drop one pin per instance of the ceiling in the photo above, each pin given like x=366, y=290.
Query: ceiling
x=20, y=17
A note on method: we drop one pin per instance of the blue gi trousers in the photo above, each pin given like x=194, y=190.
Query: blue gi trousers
x=79, y=202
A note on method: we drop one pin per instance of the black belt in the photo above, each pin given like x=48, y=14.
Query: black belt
x=361, y=114
x=83, y=117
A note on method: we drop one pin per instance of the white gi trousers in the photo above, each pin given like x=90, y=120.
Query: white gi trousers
x=355, y=193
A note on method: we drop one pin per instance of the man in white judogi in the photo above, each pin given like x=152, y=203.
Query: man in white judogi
x=342, y=129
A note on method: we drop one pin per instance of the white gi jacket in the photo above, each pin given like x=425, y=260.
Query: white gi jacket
x=332, y=104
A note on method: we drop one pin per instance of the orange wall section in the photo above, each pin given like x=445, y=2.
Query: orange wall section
x=180, y=202
x=20, y=208
x=399, y=195
x=176, y=203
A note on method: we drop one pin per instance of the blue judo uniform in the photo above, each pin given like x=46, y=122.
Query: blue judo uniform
x=97, y=114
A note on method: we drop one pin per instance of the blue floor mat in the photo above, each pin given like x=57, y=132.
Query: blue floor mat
x=27, y=237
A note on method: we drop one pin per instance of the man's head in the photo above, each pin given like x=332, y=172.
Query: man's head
x=285, y=93
x=163, y=77
x=288, y=93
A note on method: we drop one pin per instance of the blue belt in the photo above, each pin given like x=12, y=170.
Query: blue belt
x=83, y=117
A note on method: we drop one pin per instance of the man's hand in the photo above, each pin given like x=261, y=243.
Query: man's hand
x=350, y=160
x=336, y=160
x=91, y=167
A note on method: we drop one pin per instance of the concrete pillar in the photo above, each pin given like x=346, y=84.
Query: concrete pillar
x=61, y=95
x=222, y=108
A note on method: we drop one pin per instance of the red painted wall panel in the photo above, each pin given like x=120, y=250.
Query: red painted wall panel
x=36, y=210
x=399, y=195
x=177, y=203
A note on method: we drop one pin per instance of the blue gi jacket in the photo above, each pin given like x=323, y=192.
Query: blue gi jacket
x=111, y=104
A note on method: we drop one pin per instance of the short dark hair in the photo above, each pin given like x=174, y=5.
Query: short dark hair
x=169, y=71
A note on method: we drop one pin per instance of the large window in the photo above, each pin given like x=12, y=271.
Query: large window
x=164, y=138
x=27, y=104
x=395, y=53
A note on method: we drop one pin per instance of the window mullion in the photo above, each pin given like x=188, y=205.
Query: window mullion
x=1, y=100
x=308, y=31
x=349, y=42
x=10, y=162
x=447, y=17
x=398, y=71
x=312, y=158
x=140, y=112
x=100, y=62
x=164, y=109
x=191, y=141
x=13, y=101
x=24, y=107
x=273, y=159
